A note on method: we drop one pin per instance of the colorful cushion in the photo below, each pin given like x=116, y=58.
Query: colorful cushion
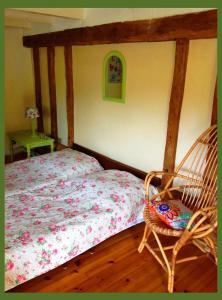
x=172, y=212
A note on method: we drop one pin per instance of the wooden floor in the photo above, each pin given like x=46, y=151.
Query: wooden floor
x=116, y=266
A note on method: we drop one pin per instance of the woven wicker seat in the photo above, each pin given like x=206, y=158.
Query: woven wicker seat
x=194, y=183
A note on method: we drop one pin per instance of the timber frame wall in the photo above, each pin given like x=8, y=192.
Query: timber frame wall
x=179, y=28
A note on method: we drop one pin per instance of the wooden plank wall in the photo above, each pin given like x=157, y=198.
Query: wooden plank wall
x=52, y=91
x=69, y=94
x=176, y=100
x=38, y=94
x=180, y=28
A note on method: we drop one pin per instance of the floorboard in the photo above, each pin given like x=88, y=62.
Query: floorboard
x=116, y=266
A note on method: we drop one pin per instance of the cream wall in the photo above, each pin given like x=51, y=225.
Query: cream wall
x=19, y=85
x=135, y=132
x=198, y=93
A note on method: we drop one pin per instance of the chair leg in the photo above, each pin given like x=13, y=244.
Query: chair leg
x=172, y=274
x=146, y=234
x=210, y=243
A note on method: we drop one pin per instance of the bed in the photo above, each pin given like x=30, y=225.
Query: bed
x=37, y=171
x=55, y=220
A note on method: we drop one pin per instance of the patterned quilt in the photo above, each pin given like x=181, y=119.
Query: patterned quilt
x=48, y=226
x=37, y=171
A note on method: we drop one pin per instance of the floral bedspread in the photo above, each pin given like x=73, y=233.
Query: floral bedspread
x=50, y=225
x=37, y=171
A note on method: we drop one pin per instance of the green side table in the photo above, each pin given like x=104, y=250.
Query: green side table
x=29, y=141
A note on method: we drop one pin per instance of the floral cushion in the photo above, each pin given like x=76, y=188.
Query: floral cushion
x=172, y=212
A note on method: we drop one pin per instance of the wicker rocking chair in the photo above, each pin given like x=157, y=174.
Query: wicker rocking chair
x=196, y=180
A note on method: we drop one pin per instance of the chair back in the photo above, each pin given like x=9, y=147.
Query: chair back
x=200, y=167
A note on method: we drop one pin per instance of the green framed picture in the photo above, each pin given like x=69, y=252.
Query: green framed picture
x=114, y=77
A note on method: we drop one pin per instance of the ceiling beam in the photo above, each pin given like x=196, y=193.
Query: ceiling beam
x=189, y=26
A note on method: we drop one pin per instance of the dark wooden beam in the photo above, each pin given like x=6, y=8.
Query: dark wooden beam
x=52, y=91
x=214, y=108
x=190, y=26
x=175, y=105
x=69, y=94
x=38, y=95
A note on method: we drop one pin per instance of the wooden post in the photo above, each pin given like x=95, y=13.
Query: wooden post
x=52, y=91
x=214, y=108
x=69, y=94
x=38, y=95
x=176, y=99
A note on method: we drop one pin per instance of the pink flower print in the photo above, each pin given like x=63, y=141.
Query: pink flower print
x=62, y=184
x=7, y=227
x=143, y=201
x=26, y=234
x=9, y=265
x=95, y=208
x=56, y=197
x=24, y=198
x=41, y=240
x=118, y=174
x=115, y=198
x=96, y=241
x=24, y=237
x=102, y=178
x=51, y=176
x=74, y=168
x=74, y=251
x=20, y=279
x=69, y=200
x=60, y=209
x=9, y=185
x=63, y=228
x=11, y=206
x=46, y=207
x=55, y=251
x=30, y=179
x=109, y=210
x=132, y=218
x=77, y=200
x=89, y=229
x=119, y=219
x=45, y=258
x=99, y=193
x=37, y=222
x=54, y=228
x=42, y=160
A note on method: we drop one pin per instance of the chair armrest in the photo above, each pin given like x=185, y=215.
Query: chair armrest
x=173, y=175
x=195, y=224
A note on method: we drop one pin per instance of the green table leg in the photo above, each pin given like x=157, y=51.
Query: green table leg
x=11, y=150
x=52, y=146
x=28, y=151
